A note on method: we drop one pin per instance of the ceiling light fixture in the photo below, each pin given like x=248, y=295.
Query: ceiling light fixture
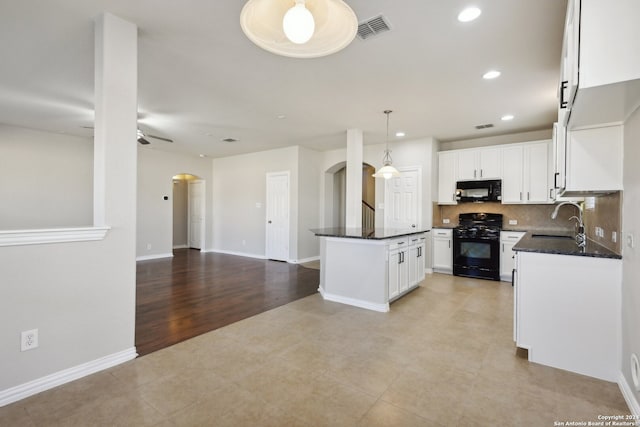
x=299, y=28
x=469, y=14
x=298, y=23
x=507, y=117
x=387, y=171
x=400, y=134
x=491, y=74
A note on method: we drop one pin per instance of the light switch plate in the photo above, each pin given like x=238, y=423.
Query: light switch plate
x=445, y=220
x=513, y=222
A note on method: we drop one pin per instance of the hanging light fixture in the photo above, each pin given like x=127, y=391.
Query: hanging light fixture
x=387, y=170
x=299, y=28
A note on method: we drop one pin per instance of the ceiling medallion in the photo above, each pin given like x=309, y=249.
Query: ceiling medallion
x=316, y=27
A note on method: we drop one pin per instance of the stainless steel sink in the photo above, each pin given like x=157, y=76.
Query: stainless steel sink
x=551, y=236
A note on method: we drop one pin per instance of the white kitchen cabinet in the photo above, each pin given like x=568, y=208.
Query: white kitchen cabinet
x=442, y=250
x=525, y=172
x=447, y=163
x=405, y=264
x=507, y=240
x=600, y=67
x=415, y=258
x=559, y=162
x=594, y=160
x=479, y=163
x=567, y=312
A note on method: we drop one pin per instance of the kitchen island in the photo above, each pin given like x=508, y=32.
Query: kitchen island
x=567, y=304
x=369, y=268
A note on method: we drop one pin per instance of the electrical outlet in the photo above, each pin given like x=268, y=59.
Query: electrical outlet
x=148, y=246
x=445, y=220
x=513, y=222
x=29, y=340
x=630, y=240
x=614, y=236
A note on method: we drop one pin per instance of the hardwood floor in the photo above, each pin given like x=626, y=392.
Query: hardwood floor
x=192, y=293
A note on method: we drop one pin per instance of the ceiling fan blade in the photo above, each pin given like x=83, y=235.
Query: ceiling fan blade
x=86, y=127
x=160, y=138
x=143, y=141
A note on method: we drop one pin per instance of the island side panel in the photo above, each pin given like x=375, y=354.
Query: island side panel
x=355, y=272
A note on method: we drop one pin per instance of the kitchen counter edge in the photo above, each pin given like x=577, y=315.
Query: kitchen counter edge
x=562, y=247
x=372, y=234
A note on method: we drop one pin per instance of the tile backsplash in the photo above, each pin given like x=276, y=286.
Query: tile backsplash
x=605, y=214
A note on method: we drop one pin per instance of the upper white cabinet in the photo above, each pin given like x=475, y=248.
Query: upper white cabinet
x=447, y=163
x=525, y=170
x=600, y=66
x=594, y=160
x=479, y=163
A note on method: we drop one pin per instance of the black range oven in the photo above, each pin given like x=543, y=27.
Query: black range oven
x=476, y=246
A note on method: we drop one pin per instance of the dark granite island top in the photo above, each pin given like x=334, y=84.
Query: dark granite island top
x=561, y=244
x=370, y=234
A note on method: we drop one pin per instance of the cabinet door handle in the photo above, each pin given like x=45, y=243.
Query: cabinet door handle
x=563, y=87
x=449, y=244
x=528, y=196
x=555, y=179
x=399, y=257
x=474, y=173
x=521, y=196
x=503, y=247
x=480, y=173
x=551, y=193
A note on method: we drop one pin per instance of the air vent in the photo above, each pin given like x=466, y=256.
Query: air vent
x=229, y=140
x=373, y=27
x=485, y=126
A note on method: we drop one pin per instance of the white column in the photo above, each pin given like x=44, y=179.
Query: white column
x=354, y=179
x=116, y=99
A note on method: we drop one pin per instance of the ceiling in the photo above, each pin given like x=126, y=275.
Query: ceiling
x=201, y=80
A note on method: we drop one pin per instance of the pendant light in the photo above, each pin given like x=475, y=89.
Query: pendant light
x=299, y=28
x=387, y=171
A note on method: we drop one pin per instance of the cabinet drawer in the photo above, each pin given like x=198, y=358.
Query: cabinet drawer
x=442, y=232
x=398, y=244
x=511, y=236
x=416, y=239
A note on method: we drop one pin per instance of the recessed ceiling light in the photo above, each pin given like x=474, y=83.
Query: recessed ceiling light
x=400, y=134
x=492, y=74
x=282, y=116
x=469, y=14
x=507, y=117
x=202, y=155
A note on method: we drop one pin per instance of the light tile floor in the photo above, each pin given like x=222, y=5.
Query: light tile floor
x=442, y=356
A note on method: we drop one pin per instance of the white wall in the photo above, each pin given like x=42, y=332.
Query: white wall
x=309, y=200
x=631, y=256
x=239, y=200
x=155, y=215
x=51, y=189
x=496, y=140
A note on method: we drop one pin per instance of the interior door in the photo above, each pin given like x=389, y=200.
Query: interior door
x=195, y=194
x=403, y=200
x=277, y=210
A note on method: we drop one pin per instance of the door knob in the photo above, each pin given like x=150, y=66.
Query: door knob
x=269, y=221
x=413, y=226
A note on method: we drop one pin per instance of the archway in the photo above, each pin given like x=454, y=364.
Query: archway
x=335, y=179
x=188, y=212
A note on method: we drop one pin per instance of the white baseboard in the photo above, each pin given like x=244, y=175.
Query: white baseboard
x=428, y=270
x=629, y=395
x=305, y=260
x=181, y=247
x=244, y=254
x=156, y=256
x=39, y=385
x=383, y=308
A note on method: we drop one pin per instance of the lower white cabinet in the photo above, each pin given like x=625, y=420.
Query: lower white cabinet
x=507, y=240
x=442, y=250
x=405, y=264
x=567, y=312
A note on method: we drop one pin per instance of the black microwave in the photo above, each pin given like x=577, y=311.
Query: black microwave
x=479, y=191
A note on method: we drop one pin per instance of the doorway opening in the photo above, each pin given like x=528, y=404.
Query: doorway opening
x=188, y=211
x=336, y=191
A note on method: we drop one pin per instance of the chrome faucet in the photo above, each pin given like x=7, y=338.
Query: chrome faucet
x=581, y=239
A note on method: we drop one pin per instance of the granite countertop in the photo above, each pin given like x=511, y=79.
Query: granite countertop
x=561, y=246
x=371, y=233
x=446, y=226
